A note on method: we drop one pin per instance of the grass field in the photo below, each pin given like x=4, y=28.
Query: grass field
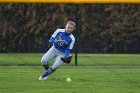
x=104, y=74
x=83, y=59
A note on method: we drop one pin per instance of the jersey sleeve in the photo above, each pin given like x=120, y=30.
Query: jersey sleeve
x=67, y=53
x=55, y=33
x=72, y=42
x=52, y=39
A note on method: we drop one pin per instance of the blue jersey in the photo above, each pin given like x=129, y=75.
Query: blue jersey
x=68, y=41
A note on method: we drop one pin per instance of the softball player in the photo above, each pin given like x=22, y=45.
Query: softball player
x=63, y=41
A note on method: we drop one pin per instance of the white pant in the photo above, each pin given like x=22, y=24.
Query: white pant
x=50, y=54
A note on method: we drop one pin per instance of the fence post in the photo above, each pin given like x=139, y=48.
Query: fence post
x=76, y=45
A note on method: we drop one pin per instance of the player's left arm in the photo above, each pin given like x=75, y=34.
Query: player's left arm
x=67, y=58
x=67, y=52
x=69, y=48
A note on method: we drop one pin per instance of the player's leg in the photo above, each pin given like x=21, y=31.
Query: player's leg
x=55, y=66
x=48, y=56
x=58, y=62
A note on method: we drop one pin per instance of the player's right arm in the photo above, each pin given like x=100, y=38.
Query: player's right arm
x=53, y=39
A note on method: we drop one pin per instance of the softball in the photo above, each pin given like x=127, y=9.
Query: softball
x=68, y=80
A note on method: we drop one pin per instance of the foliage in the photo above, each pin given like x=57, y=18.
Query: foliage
x=109, y=28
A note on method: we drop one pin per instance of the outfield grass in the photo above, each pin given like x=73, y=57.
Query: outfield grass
x=85, y=79
x=83, y=59
x=96, y=73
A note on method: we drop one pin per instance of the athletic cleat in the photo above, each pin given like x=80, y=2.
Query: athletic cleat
x=46, y=78
x=43, y=78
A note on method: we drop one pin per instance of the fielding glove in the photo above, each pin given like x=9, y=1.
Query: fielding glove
x=66, y=60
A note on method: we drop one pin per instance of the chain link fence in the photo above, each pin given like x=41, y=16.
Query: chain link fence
x=106, y=34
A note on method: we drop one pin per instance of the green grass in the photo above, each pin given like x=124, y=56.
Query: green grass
x=85, y=79
x=83, y=59
x=20, y=58
x=109, y=59
x=96, y=73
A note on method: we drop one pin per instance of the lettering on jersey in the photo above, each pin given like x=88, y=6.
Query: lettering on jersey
x=59, y=37
x=61, y=43
x=66, y=42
